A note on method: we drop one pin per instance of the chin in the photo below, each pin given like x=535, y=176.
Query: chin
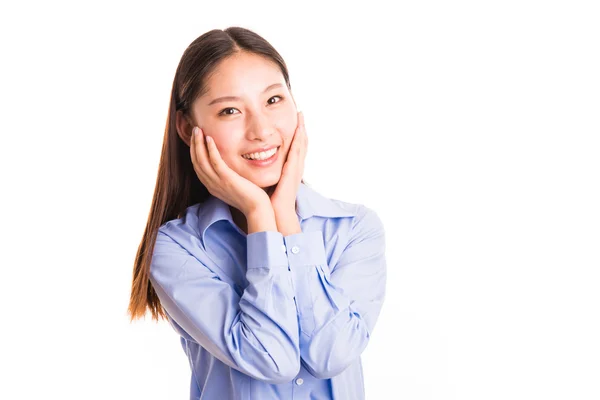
x=267, y=182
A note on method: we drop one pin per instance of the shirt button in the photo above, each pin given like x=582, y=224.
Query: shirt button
x=283, y=248
x=299, y=381
x=295, y=249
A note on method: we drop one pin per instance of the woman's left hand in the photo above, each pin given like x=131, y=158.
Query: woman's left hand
x=283, y=198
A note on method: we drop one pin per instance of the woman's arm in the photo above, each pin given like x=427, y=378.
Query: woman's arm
x=338, y=310
x=256, y=333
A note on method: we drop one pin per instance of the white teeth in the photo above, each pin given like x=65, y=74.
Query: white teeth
x=263, y=155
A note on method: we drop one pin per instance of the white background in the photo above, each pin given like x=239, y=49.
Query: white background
x=471, y=127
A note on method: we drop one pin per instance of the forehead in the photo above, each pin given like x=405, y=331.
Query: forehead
x=243, y=72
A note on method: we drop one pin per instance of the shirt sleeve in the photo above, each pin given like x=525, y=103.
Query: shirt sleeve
x=338, y=310
x=256, y=333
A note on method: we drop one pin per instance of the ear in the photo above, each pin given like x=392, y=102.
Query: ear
x=184, y=127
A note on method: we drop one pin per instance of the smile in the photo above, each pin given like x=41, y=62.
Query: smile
x=263, y=158
x=263, y=155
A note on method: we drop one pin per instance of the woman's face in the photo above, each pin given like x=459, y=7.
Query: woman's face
x=248, y=108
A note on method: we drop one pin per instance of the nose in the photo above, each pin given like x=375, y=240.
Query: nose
x=260, y=127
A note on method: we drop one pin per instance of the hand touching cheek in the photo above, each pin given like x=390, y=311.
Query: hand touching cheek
x=283, y=198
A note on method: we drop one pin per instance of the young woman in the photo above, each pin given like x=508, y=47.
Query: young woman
x=273, y=288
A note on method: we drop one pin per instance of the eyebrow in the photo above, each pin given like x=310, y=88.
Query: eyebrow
x=234, y=98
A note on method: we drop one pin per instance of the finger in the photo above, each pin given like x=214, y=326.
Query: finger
x=297, y=139
x=193, y=155
x=303, y=130
x=301, y=119
x=303, y=146
x=304, y=134
x=217, y=163
x=201, y=154
x=295, y=161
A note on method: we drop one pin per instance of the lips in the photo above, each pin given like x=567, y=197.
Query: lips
x=262, y=149
x=261, y=155
x=264, y=162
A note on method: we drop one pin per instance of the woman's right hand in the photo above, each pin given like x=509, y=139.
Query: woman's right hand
x=220, y=180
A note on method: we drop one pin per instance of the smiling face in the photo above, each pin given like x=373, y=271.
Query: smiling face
x=248, y=108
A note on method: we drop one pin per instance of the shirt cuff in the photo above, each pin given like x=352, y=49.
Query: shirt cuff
x=265, y=249
x=305, y=248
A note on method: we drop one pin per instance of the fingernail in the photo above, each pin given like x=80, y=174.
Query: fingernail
x=195, y=131
x=208, y=139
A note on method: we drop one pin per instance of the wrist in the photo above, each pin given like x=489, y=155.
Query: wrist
x=284, y=208
x=261, y=219
x=287, y=223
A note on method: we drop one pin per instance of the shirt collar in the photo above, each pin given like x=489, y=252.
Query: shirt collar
x=313, y=204
x=309, y=204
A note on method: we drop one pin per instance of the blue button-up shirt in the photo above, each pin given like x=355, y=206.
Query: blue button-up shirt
x=266, y=316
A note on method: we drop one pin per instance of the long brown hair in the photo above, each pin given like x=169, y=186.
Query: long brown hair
x=177, y=185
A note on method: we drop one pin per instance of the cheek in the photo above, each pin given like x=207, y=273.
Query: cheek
x=225, y=139
x=288, y=123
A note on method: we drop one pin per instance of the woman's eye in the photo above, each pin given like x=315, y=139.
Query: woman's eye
x=228, y=111
x=279, y=98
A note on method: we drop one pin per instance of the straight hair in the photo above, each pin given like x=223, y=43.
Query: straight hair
x=177, y=185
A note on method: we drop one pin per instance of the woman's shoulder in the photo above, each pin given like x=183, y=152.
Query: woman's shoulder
x=365, y=225
x=185, y=225
x=316, y=203
x=364, y=216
